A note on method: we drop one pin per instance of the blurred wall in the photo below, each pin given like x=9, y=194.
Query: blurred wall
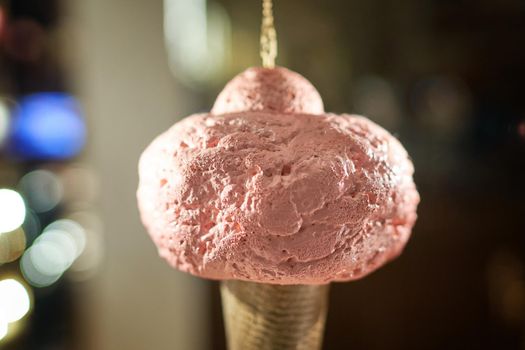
x=136, y=301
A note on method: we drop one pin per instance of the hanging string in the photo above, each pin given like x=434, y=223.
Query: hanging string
x=268, y=36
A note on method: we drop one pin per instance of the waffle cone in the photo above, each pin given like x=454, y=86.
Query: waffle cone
x=264, y=316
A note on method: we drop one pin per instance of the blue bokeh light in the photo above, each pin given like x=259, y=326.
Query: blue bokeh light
x=47, y=126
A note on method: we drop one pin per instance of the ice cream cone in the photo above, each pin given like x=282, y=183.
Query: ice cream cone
x=264, y=316
x=270, y=188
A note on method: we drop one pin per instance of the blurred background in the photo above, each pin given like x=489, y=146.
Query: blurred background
x=86, y=85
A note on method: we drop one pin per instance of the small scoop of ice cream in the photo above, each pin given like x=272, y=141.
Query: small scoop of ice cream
x=270, y=90
x=277, y=192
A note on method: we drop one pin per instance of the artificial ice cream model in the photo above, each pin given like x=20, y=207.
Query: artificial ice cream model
x=276, y=198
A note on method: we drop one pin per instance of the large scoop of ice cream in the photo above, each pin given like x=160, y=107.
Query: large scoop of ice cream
x=274, y=197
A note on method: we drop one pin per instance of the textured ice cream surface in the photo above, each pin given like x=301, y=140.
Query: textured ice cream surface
x=276, y=197
x=271, y=90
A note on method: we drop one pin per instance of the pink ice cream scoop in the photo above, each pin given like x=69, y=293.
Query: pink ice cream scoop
x=269, y=188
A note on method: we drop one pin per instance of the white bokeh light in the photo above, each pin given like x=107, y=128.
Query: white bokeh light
x=49, y=258
x=53, y=252
x=61, y=240
x=12, y=210
x=33, y=275
x=73, y=230
x=14, y=300
x=198, y=39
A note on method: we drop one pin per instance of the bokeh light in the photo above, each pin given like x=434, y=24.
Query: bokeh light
x=506, y=286
x=47, y=126
x=198, y=42
x=43, y=264
x=75, y=232
x=42, y=189
x=64, y=242
x=14, y=300
x=12, y=245
x=376, y=98
x=443, y=103
x=50, y=257
x=12, y=210
x=53, y=252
